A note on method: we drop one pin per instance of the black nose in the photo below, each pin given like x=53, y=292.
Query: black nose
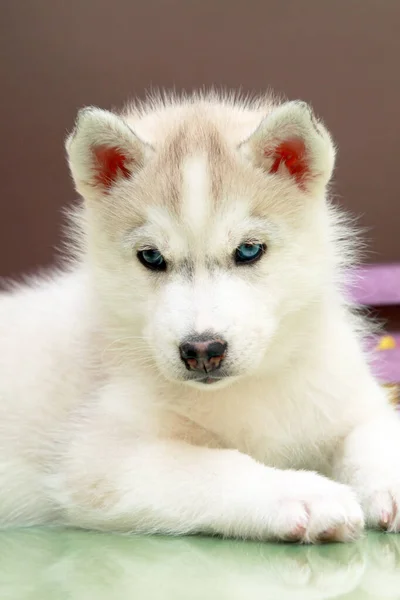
x=203, y=355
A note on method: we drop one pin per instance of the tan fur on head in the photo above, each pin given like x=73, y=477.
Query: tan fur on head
x=160, y=134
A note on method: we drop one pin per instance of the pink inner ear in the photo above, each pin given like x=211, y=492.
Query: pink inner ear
x=111, y=164
x=293, y=154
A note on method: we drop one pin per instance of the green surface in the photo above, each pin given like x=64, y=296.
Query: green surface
x=54, y=564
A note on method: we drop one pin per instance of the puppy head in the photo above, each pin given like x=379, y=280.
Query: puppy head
x=206, y=229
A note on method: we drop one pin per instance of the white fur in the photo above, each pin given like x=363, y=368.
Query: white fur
x=195, y=193
x=99, y=426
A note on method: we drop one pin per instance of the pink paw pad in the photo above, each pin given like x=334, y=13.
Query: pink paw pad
x=388, y=520
x=328, y=535
x=297, y=533
x=384, y=519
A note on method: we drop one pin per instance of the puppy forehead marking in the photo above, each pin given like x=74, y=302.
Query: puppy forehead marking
x=196, y=190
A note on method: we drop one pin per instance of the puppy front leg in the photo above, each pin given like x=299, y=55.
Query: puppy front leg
x=369, y=461
x=174, y=487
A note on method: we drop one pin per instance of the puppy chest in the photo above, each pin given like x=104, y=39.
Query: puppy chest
x=279, y=436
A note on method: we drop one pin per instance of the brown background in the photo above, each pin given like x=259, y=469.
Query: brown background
x=57, y=55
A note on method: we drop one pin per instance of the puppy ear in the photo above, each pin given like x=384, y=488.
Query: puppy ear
x=102, y=151
x=292, y=143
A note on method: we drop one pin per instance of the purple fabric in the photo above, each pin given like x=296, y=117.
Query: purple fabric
x=376, y=285
x=386, y=363
x=379, y=285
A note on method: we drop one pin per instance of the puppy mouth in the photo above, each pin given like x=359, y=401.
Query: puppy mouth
x=208, y=380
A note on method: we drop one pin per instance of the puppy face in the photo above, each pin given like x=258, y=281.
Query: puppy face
x=207, y=237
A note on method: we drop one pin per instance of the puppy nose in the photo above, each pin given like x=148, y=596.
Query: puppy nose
x=204, y=355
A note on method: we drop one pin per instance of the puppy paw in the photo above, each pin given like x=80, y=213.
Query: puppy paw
x=312, y=509
x=382, y=509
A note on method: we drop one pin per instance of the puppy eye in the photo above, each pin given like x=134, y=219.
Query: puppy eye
x=246, y=254
x=152, y=259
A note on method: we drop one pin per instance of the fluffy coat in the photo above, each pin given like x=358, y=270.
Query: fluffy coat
x=104, y=426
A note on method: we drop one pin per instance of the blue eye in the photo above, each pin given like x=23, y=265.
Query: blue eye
x=248, y=253
x=152, y=259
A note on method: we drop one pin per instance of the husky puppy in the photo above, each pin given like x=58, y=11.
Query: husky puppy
x=196, y=366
